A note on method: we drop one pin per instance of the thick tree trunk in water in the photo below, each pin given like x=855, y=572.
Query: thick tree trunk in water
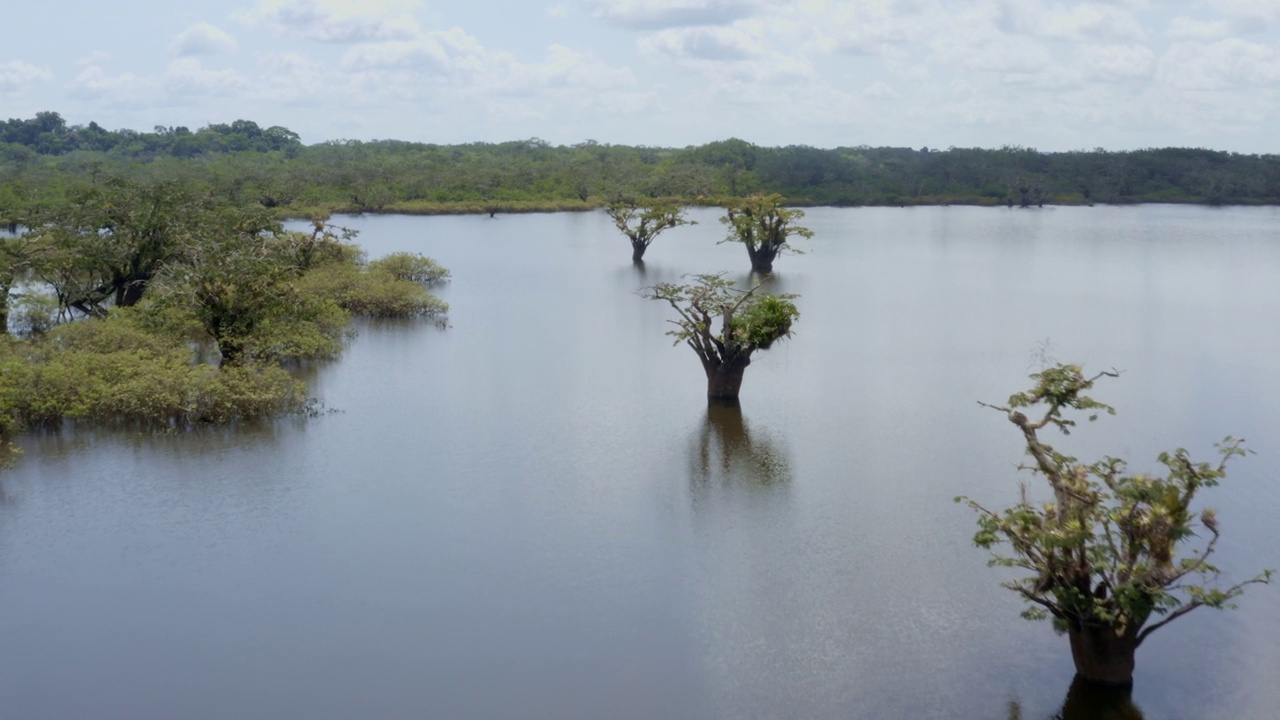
x=637, y=251
x=724, y=380
x=1088, y=700
x=1103, y=657
x=762, y=258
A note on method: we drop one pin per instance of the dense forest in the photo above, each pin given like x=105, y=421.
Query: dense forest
x=43, y=159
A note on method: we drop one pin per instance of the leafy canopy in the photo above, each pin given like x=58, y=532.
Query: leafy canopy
x=761, y=223
x=1112, y=548
x=749, y=320
x=643, y=223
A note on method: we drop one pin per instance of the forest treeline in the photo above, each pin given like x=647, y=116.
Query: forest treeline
x=42, y=158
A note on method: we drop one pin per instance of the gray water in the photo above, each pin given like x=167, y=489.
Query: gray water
x=531, y=513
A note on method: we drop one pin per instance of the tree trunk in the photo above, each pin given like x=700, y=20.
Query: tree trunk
x=1101, y=656
x=1088, y=700
x=724, y=379
x=130, y=291
x=637, y=251
x=4, y=308
x=762, y=258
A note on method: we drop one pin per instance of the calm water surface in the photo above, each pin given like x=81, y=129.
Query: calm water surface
x=532, y=513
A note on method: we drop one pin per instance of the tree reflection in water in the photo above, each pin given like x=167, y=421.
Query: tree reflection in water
x=726, y=453
x=1090, y=701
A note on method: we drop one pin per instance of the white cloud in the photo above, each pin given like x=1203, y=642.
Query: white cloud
x=1092, y=22
x=16, y=75
x=558, y=11
x=659, y=14
x=97, y=57
x=1250, y=14
x=186, y=76
x=1119, y=63
x=337, y=21
x=879, y=90
x=456, y=58
x=1223, y=65
x=994, y=53
x=704, y=43
x=202, y=39
x=296, y=79
x=94, y=82
x=432, y=51
x=1185, y=28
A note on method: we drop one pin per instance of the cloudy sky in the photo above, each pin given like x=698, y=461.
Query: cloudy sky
x=1062, y=75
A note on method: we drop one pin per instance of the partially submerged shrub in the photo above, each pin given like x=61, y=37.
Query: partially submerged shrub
x=410, y=267
x=112, y=371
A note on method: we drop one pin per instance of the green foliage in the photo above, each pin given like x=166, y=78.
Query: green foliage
x=216, y=272
x=113, y=371
x=1112, y=549
x=749, y=320
x=764, y=226
x=246, y=163
x=642, y=223
x=764, y=320
x=373, y=293
x=232, y=281
x=762, y=223
x=410, y=267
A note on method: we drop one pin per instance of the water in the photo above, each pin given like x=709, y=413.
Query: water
x=532, y=513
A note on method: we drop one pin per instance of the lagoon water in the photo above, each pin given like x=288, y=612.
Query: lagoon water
x=532, y=513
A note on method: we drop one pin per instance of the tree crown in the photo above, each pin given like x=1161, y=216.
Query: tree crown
x=760, y=221
x=750, y=320
x=1112, y=548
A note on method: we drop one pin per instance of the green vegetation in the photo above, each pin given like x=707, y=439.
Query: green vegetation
x=764, y=226
x=43, y=158
x=643, y=223
x=749, y=321
x=122, y=287
x=1112, y=551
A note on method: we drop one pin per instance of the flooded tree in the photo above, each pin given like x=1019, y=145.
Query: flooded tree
x=749, y=321
x=643, y=223
x=1114, y=556
x=1089, y=701
x=764, y=226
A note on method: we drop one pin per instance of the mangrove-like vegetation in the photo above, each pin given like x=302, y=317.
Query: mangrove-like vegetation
x=44, y=157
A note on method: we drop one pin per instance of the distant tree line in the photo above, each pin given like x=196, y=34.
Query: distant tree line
x=244, y=162
x=48, y=134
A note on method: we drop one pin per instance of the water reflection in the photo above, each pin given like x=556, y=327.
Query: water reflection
x=1090, y=701
x=772, y=282
x=726, y=453
x=197, y=440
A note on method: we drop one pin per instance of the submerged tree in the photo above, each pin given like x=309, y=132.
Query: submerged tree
x=761, y=223
x=749, y=321
x=643, y=223
x=1104, y=553
x=234, y=282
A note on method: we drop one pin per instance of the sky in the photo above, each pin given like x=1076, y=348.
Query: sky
x=1116, y=74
